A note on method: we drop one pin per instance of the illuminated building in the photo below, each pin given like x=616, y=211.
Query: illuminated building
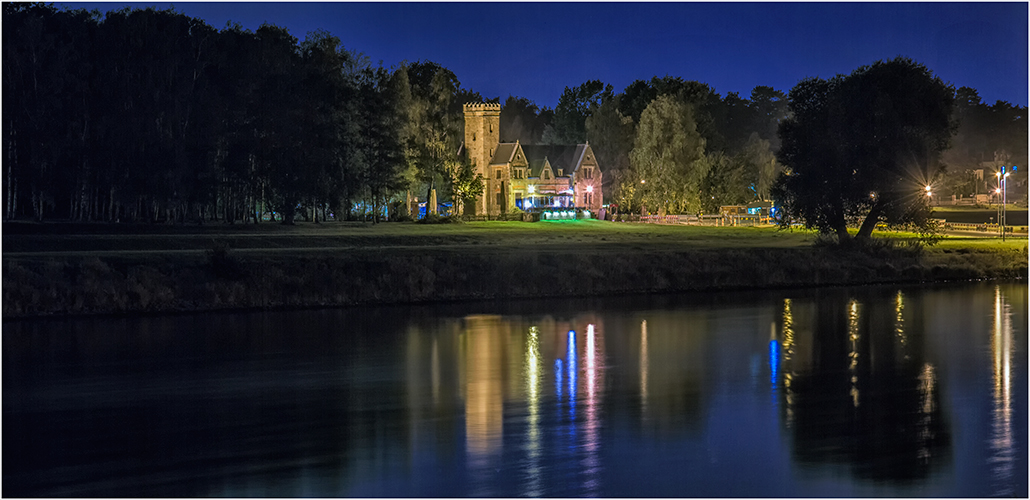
x=526, y=176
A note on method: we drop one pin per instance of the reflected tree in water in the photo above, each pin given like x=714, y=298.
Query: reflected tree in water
x=860, y=389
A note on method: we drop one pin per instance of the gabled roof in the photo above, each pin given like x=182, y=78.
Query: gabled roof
x=504, y=153
x=565, y=158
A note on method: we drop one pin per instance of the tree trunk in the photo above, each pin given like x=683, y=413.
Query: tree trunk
x=842, y=232
x=865, y=232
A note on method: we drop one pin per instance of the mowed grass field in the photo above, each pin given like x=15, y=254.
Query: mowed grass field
x=27, y=240
x=61, y=269
x=590, y=236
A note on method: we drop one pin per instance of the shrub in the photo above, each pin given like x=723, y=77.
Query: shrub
x=439, y=219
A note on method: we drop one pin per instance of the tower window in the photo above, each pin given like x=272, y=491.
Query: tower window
x=497, y=174
x=500, y=199
x=473, y=136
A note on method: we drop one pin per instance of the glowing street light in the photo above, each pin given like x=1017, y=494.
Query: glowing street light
x=1002, y=176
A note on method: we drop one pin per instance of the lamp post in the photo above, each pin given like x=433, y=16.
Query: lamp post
x=1002, y=176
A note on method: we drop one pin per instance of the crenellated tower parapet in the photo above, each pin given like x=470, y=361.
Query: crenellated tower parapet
x=482, y=107
x=482, y=134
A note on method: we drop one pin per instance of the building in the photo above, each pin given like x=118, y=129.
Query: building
x=527, y=177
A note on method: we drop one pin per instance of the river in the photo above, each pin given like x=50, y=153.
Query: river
x=871, y=391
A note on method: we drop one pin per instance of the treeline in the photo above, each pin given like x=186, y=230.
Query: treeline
x=148, y=115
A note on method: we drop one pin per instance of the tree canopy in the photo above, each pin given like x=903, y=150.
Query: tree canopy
x=860, y=148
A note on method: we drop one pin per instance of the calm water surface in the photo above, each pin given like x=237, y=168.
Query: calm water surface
x=880, y=391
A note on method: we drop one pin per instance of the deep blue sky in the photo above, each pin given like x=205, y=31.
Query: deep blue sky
x=535, y=50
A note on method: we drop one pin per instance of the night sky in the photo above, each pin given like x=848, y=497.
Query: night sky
x=535, y=50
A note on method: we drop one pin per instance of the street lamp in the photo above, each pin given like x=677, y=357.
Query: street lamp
x=1002, y=177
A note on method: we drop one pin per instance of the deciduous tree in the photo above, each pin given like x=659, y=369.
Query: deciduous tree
x=858, y=149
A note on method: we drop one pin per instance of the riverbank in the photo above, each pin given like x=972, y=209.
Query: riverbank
x=75, y=274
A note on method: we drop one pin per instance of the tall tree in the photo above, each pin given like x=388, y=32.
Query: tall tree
x=860, y=148
x=380, y=142
x=570, y=115
x=611, y=136
x=668, y=157
x=433, y=125
x=522, y=120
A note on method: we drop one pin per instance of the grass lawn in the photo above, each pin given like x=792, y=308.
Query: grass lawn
x=106, y=269
x=588, y=236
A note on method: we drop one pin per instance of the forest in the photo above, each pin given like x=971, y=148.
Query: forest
x=144, y=115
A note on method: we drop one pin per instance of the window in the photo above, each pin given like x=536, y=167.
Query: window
x=500, y=199
x=588, y=199
x=491, y=128
x=497, y=174
x=473, y=136
x=546, y=174
x=588, y=173
x=560, y=173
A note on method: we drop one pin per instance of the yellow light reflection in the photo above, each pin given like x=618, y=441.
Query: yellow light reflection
x=484, y=388
x=435, y=374
x=591, y=440
x=927, y=386
x=899, y=321
x=534, y=450
x=853, y=315
x=643, y=364
x=788, y=351
x=1002, y=440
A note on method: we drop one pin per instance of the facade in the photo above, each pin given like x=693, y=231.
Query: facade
x=527, y=177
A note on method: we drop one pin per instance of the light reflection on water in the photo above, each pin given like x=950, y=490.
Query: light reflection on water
x=864, y=392
x=1003, y=446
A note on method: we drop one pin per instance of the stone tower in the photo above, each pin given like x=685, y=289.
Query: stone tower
x=482, y=134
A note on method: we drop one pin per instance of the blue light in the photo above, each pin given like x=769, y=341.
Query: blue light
x=774, y=361
x=557, y=377
x=570, y=363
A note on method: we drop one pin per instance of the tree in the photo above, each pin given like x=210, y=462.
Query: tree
x=860, y=148
x=611, y=134
x=433, y=125
x=570, y=115
x=638, y=96
x=466, y=184
x=380, y=141
x=668, y=157
x=768, y=108
x=521, y=120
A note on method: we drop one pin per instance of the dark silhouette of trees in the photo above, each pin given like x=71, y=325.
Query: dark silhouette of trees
x=149, y=115
x=523, y=121
x=145, y=115
x=574, y=106
x=860, y=148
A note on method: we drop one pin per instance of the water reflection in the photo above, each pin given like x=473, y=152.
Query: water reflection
x=1002, y=441
x=864, y=392
x=883, y=417
x=484, y=390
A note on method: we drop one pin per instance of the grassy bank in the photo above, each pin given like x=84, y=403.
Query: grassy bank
x=48, y=273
